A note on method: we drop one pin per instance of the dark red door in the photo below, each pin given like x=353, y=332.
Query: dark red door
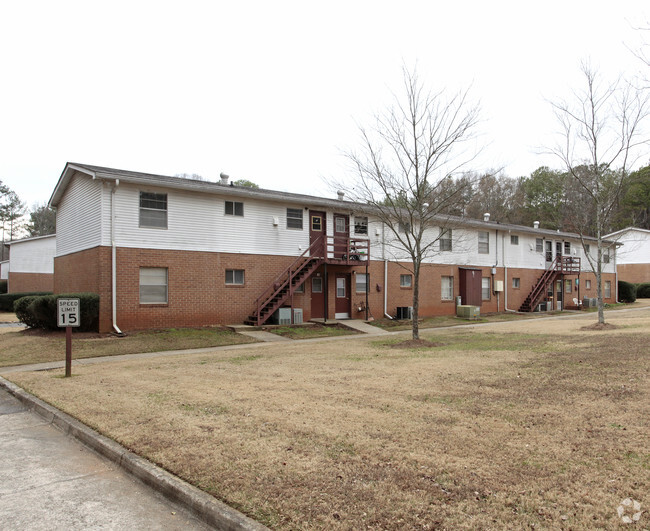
x=317, y=297
x=341, y=235
x=317, y=231
x=470, y=286
x=342, y=289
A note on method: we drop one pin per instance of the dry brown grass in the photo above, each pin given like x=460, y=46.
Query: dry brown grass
x=502, y=427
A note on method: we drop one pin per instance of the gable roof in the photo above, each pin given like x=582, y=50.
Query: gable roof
x=619, y=233
x=181, y=183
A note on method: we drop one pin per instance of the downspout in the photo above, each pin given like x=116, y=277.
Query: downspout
x=383, y=255
x=496, y=264
x=505, y=276
x=114, y=262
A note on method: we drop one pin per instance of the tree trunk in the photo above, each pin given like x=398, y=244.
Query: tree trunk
x=416, y=299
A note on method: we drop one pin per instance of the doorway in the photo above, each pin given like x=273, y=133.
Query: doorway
x=317, y=230
x=341, y=235
x=317, y=297
x=343, y=298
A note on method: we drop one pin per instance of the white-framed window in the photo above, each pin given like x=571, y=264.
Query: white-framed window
x=340, y=287
x=294, y=218
x=405, y=281
x=153, y=285
x=485, y=288
x=317, y=285
x=234, y=208
x=516, y=282
x=568, y=285
x=235, y=277
x=608, y=289
x=404, y=227
x=514, y=239
x=539, y=245
x=339, y=224
x=153, y=210
x=445, y=239
x=360, y=224
x=587, y=284
x=447, y=288
x=483, y=242
x=606, y=256
x=361, y=284
x=567, y=248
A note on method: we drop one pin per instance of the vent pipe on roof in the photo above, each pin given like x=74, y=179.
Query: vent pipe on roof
x=341, y=195
x=486, y=216
x=224, y=178
x=536, y=224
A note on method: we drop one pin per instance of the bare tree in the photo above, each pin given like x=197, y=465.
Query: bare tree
x=402, y=170
x=599, y=141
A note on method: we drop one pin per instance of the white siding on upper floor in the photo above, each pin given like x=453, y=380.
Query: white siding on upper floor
x=4, y=270
x=78, y=216
x=636, y=246
x=33, y=256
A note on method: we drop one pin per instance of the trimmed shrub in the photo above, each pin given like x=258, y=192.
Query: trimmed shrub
x=41, y=312
x=7, y=299
x=626, y=291
x=21, y=308
x=3, y=286
x=643, y=290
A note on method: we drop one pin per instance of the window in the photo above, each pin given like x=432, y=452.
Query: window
x=153, y=285
x=514, y=239
x=485, y=288
x=340, y=287
x=539, y=245
x=606, y=256
x=568, y=287
x=587, y=284
x=153, y=210
x=234, y=208
x=235, y=277
x=317, y=285
x=516, y=283
x=608, y=289
x=294, y=218
x=403, y=227
x=361, y=283
x=447, y=288
x=483, y=242
x=587, y=248
x=445, y=239
x=317, y=223
x=405, y=281
x=360, y=225
x=567, y=248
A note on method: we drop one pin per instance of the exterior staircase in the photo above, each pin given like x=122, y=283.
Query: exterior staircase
x=286, y=283
x=562, y=265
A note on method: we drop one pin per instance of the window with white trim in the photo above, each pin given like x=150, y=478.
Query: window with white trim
x=587, y=284
x=447, y=288
x=294, y=218
x=516, y=282
x=153, y=285
x=608, y=289
x=514, y=239
x=405, y=281
x=539, y=245
x=361, y=284
x=234, y=208
x=317, y=285
x=485, y=288
x=567, y=248
x=153, y=210
x=445, y=239
x=606, y=256
x=360, y=224
x=568, y=286
x=483, y=242
x=235, y=277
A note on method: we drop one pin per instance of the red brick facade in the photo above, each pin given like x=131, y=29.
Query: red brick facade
x=29, y=282
x=198, y=294
x=635, y=273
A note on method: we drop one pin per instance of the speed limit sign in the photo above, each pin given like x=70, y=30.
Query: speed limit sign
x=68, y=312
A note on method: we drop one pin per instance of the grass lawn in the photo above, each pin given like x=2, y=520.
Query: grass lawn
x=520, y=424
x=21, y=347
x=312, y=330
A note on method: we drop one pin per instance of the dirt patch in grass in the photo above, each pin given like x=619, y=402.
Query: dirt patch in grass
x=416, y=343
x=600, y=326
x=27, y=346
x=314, y=330
x=501, y=428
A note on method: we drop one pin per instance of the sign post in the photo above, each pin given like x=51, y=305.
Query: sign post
x=68, y=316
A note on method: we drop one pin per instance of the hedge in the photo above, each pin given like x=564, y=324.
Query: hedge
x=7, y=299
x=643, y=290
x=626, y=291
x=41, y=311
x=3, y=286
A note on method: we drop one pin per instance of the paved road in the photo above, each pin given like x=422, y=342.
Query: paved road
x=51, y=481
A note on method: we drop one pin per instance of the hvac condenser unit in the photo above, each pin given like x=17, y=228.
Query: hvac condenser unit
x=282, y=316
x=297, y=316
x=466, y=311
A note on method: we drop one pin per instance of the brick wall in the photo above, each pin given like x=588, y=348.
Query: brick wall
x=26, y=282
x=635, y=273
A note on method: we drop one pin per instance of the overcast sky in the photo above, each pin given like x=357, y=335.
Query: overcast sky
x=273, y=91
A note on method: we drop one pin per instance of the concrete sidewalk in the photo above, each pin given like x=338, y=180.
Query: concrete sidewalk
x=50, y=481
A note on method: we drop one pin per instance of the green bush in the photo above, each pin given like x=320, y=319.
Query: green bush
x=7, y=299
x=3, y=286
x=626, y=291
x=41, y=312
x=643, y=290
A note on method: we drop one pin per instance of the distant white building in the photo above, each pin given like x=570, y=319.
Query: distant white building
x=31, y=264
x=633, y=255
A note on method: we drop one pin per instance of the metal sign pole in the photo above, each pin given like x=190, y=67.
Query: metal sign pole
x=68, y=351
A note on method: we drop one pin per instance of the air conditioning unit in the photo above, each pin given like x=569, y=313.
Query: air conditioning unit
x=297, y=316
x=586, y=302
x=466, y=311
x=405, y=312
x=282, y=316
x=541, y=307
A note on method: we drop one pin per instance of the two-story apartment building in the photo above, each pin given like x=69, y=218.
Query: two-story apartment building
x=633, y=257
x=165, y=251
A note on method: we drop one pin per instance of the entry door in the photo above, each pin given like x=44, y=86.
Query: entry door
x=317, y=297
x=341, y=235
x=558, y=249
x=343, y=298
x=317, y=230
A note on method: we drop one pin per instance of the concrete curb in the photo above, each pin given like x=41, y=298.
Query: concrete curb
x=205, y=507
